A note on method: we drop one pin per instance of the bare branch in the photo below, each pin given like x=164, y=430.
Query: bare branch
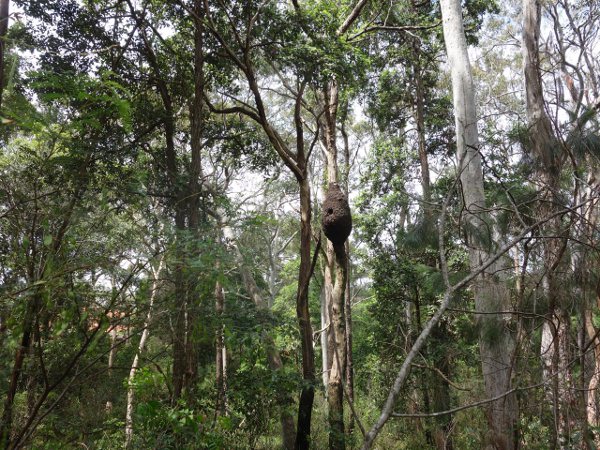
x=460, y=408
x=400, y=29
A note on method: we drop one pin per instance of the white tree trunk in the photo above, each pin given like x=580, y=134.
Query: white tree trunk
x=221, y=352
x=496, y=342
x=136, y=359
x=491, y=295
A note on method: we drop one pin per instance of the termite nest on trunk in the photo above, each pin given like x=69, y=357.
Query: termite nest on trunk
x=336, y=218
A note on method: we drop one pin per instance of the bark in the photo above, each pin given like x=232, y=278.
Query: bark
x=308, y=358
x=337, y=230
x=2, y=327
x=348, y=292
x=4, y=12
x=335, y=389
x=542, y=141
x=591, y=405
x=191, y=201
x=111, y=361
x=420, y=122
x=325, y=302
x=181, y=327
x=547, y=151
x=441, y=394
x=197, y=117
x=496, y=342
x=136, y=360
x=348, y=318
x=221, y=353
x=186, y=351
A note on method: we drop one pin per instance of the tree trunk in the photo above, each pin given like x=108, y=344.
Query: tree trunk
x=546, y=148
x=326, y=363
x=186, y=352
x=591, y=406
x=136, y=359
x=496, y=342
x=420, y=122
x=221, y=355
x=308, y=357
x=180, y=304
x=179, y=206
x=348, y=317
x=335, y=390
x=111, y=361
x=336, y=261
x=347, y=292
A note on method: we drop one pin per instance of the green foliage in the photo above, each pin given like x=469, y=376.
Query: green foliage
x=167, y=427
x=98, y=182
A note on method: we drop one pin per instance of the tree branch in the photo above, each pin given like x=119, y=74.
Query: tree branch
x=405, y=29
x=460, y=408
x=351, y=17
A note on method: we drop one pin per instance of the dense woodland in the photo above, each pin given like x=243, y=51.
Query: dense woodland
x=175, y=178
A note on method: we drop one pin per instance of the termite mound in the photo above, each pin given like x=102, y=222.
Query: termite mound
x=336, y=218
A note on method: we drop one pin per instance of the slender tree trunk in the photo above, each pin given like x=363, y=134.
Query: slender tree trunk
x=297, y=163
x=180, y=303
x=441, y=392
x=335, y=390
x=328, y=280
x=136, y=359
x=591, y=406
x=111, y=361
x=420, y=122
x=348, y=291
x=4, y=12
x=307, y=394
x=221, y=354
x=348, y=318
x=546, y=148
x=35, y=277
x=336, y=261
x=496, y=342
x=326, y=363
